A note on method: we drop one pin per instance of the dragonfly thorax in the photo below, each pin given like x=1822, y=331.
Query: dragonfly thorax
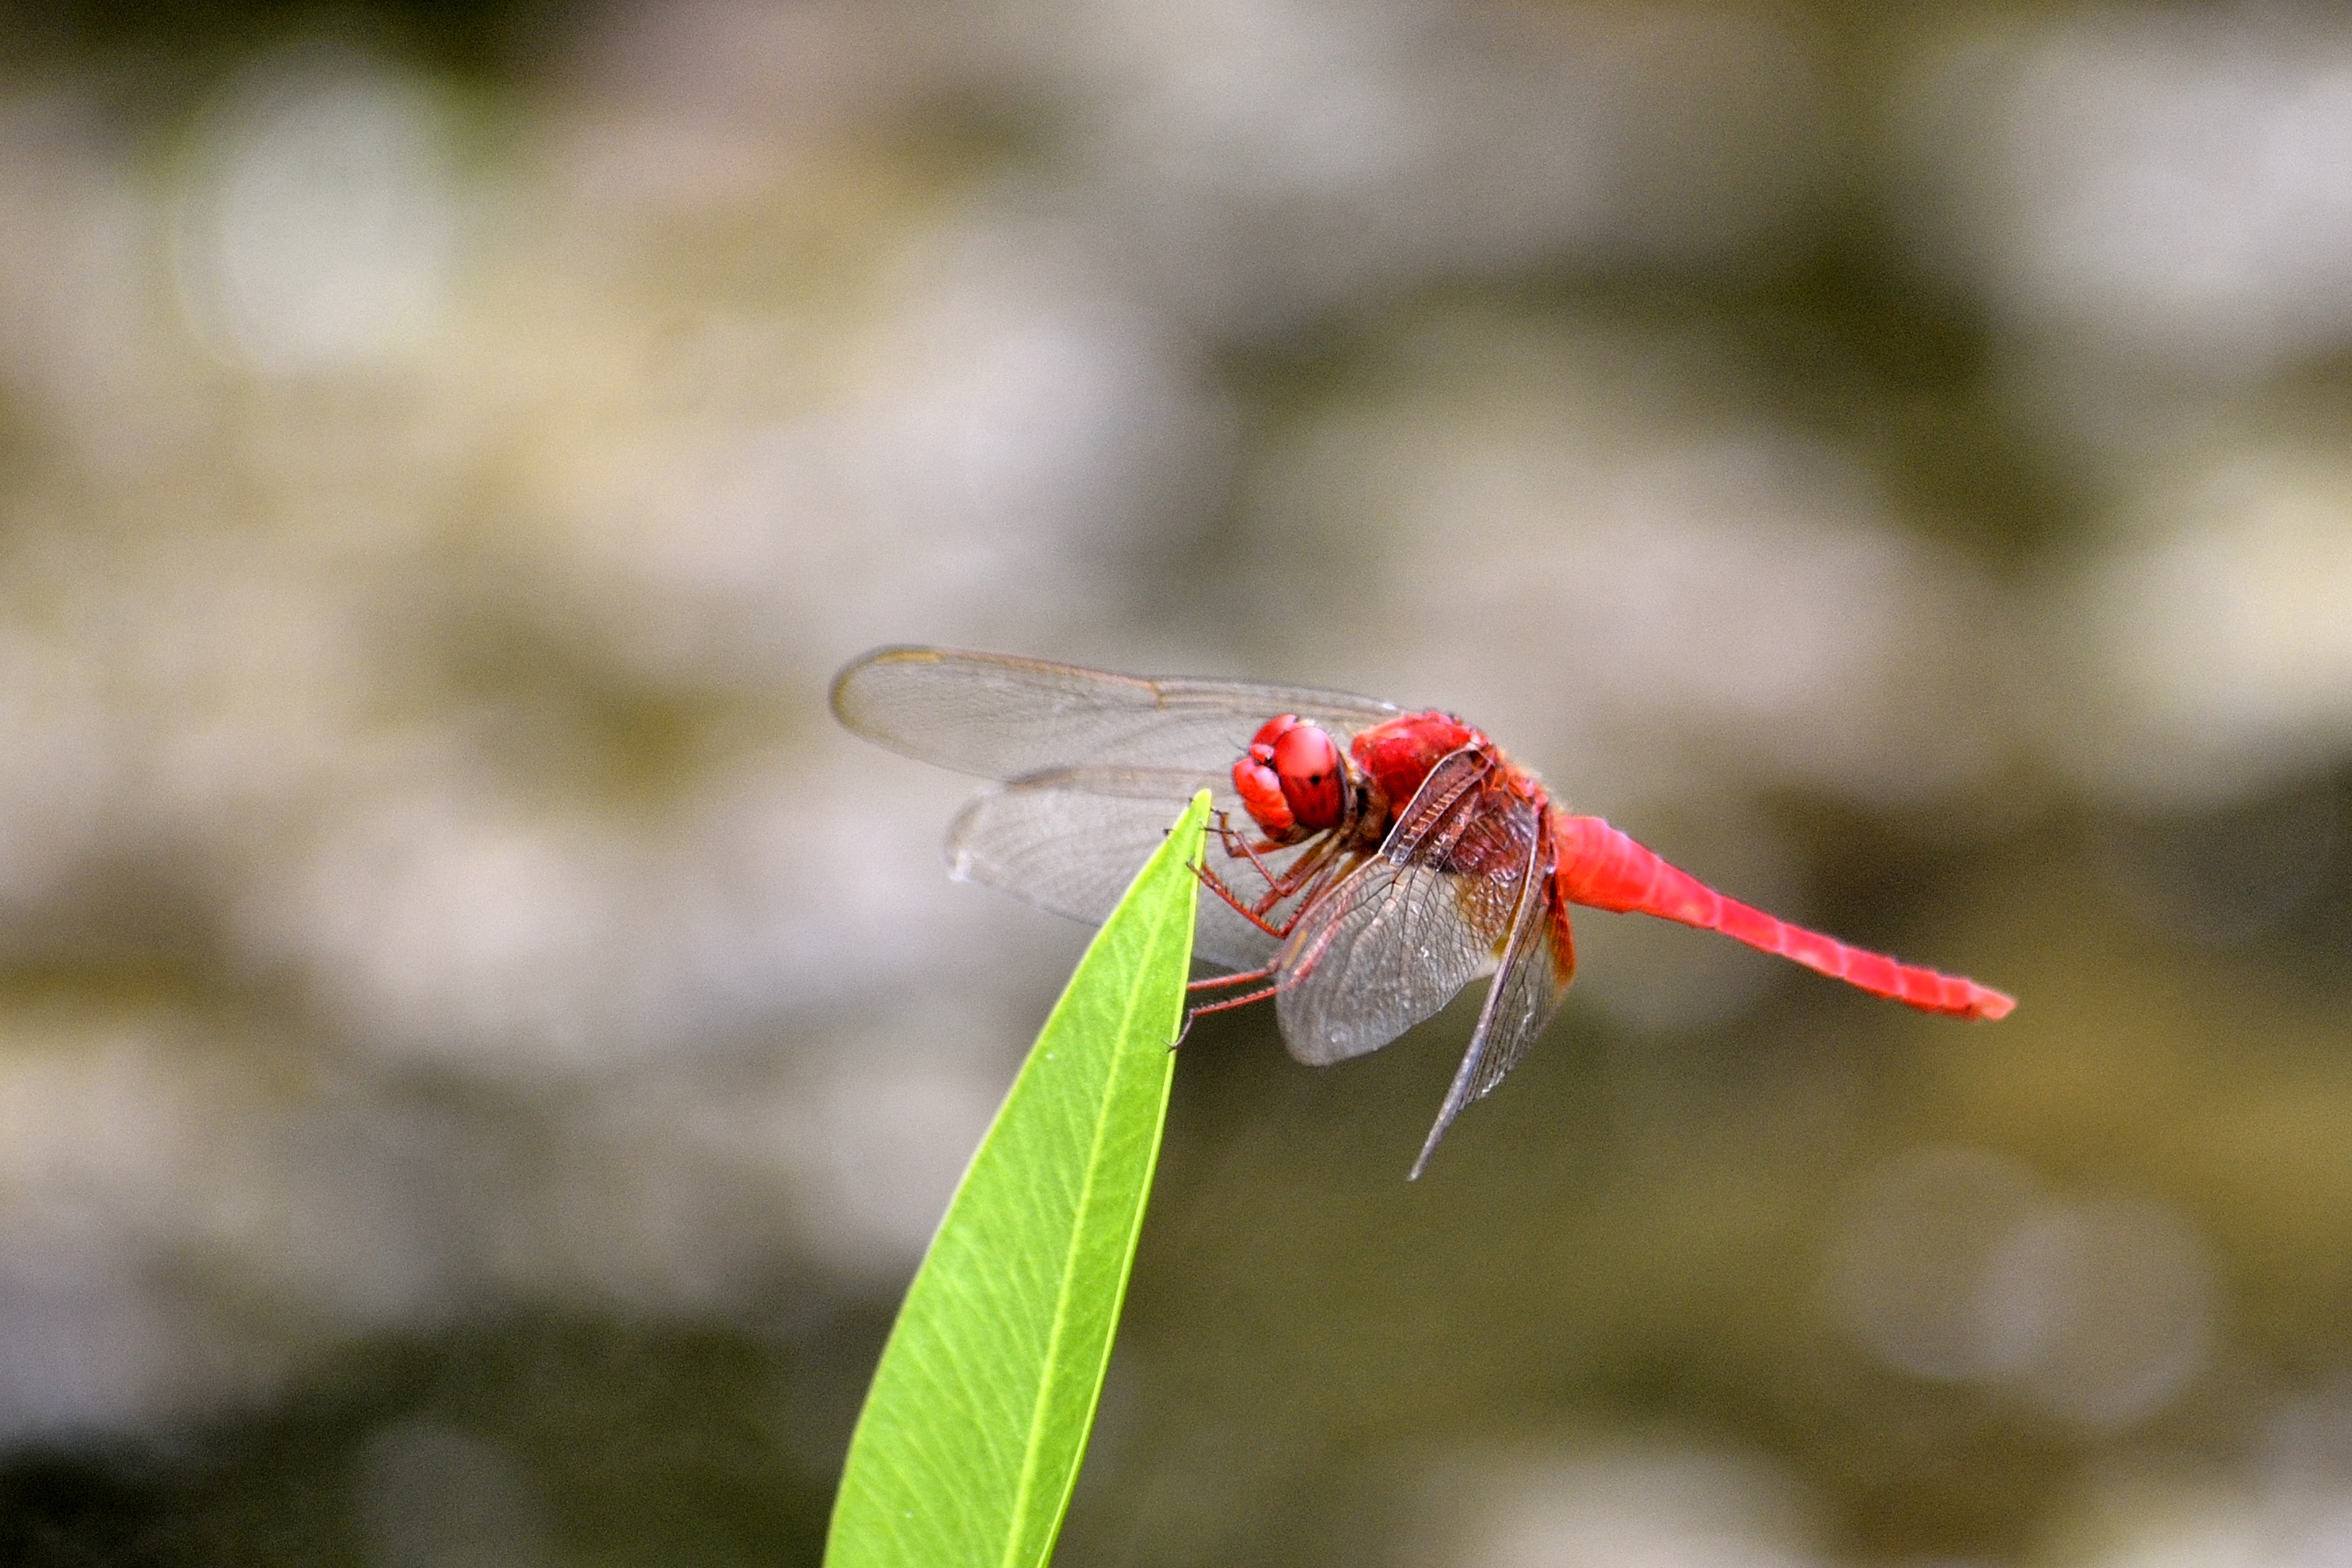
x=1397, y=755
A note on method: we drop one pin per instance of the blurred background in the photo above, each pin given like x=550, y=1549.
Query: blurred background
x=480, y=1052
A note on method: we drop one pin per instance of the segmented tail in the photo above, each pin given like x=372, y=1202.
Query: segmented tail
x=1600, y=868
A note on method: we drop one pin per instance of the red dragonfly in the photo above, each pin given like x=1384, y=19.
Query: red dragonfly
x=1361, y=885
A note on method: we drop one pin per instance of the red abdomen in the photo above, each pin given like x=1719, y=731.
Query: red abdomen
x=1602, y=868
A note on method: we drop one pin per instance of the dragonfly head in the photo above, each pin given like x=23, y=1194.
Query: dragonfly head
x=1294, y=780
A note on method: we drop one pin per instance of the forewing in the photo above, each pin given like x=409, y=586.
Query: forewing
x=1393, y=941
x=1068, y=840
x=1005, y=718
x=1538, y=960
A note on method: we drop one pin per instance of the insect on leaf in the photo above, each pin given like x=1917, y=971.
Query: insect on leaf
x=978, y=1416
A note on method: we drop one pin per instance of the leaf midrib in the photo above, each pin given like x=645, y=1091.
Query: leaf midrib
x=1025, y=1490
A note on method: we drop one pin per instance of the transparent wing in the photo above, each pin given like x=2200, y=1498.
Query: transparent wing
x=1005, y=718
x=1070, y=839
x=1395, y=940
x=1538, y=960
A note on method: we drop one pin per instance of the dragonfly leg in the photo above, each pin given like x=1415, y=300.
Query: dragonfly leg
x=1238, y=845
x=1245, y=977
x=1239, y=977
x=1304, y=872
x=1279, y=885
x=1255, y=915
x=1302, y=880
x=1309, y=872
x=1241, y=848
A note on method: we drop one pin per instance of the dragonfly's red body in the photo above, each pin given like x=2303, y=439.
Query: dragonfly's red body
x=1360, y=887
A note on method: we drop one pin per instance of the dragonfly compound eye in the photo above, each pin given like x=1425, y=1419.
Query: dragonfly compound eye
x=1313, y=780
x=1260, y=788
x=1274, y=730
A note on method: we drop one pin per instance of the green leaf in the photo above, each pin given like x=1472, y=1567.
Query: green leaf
x=973, y=1432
